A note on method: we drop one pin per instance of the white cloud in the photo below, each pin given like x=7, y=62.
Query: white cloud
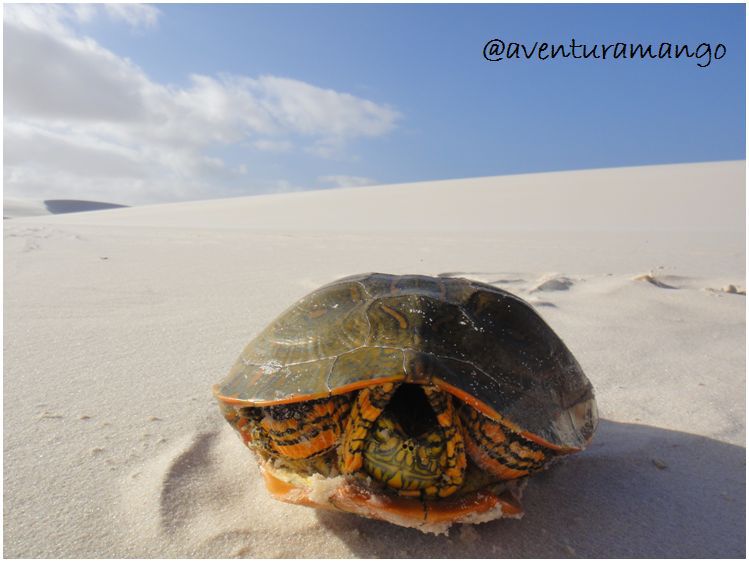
x=345, y=181
x=51, y=18
x=326, y=147
x=55, y=18
x=68, y=152
x=136, y=15
x=310, y=110
x=72, y=79
x=273, y=145
x=90, y=122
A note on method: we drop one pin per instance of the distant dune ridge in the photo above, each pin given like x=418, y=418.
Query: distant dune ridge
x=13, y=207
x=60, y=206
x=704, y=196
x=117, y=323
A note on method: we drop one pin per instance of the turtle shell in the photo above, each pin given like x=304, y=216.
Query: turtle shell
x=484, y=345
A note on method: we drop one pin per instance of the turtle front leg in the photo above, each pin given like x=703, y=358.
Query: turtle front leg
x=368, y=406
x=297, y=435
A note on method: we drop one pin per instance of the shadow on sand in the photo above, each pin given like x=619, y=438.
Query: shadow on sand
x=637, y=491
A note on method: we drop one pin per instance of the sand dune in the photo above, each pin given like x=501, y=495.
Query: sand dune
x=118, y=322
x=691, y=197
x=14, y=207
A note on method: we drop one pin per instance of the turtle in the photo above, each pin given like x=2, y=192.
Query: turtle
x=423, y=401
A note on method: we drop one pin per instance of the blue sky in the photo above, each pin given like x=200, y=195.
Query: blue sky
x=142, y=104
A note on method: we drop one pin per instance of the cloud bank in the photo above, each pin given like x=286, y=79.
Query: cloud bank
x=82, y=122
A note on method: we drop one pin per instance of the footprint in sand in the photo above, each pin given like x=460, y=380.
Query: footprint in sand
x=507, y=281
x=546, y=304
x=32, y=237
x=462, y=274
x=194, y=484
x=181, y=473
x=168, y=492
x=49, y=416
x=731, y=289
x=650, y=278
x=556, y=283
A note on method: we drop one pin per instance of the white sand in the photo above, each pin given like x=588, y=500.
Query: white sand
x=118, y=322
x=14, y=207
